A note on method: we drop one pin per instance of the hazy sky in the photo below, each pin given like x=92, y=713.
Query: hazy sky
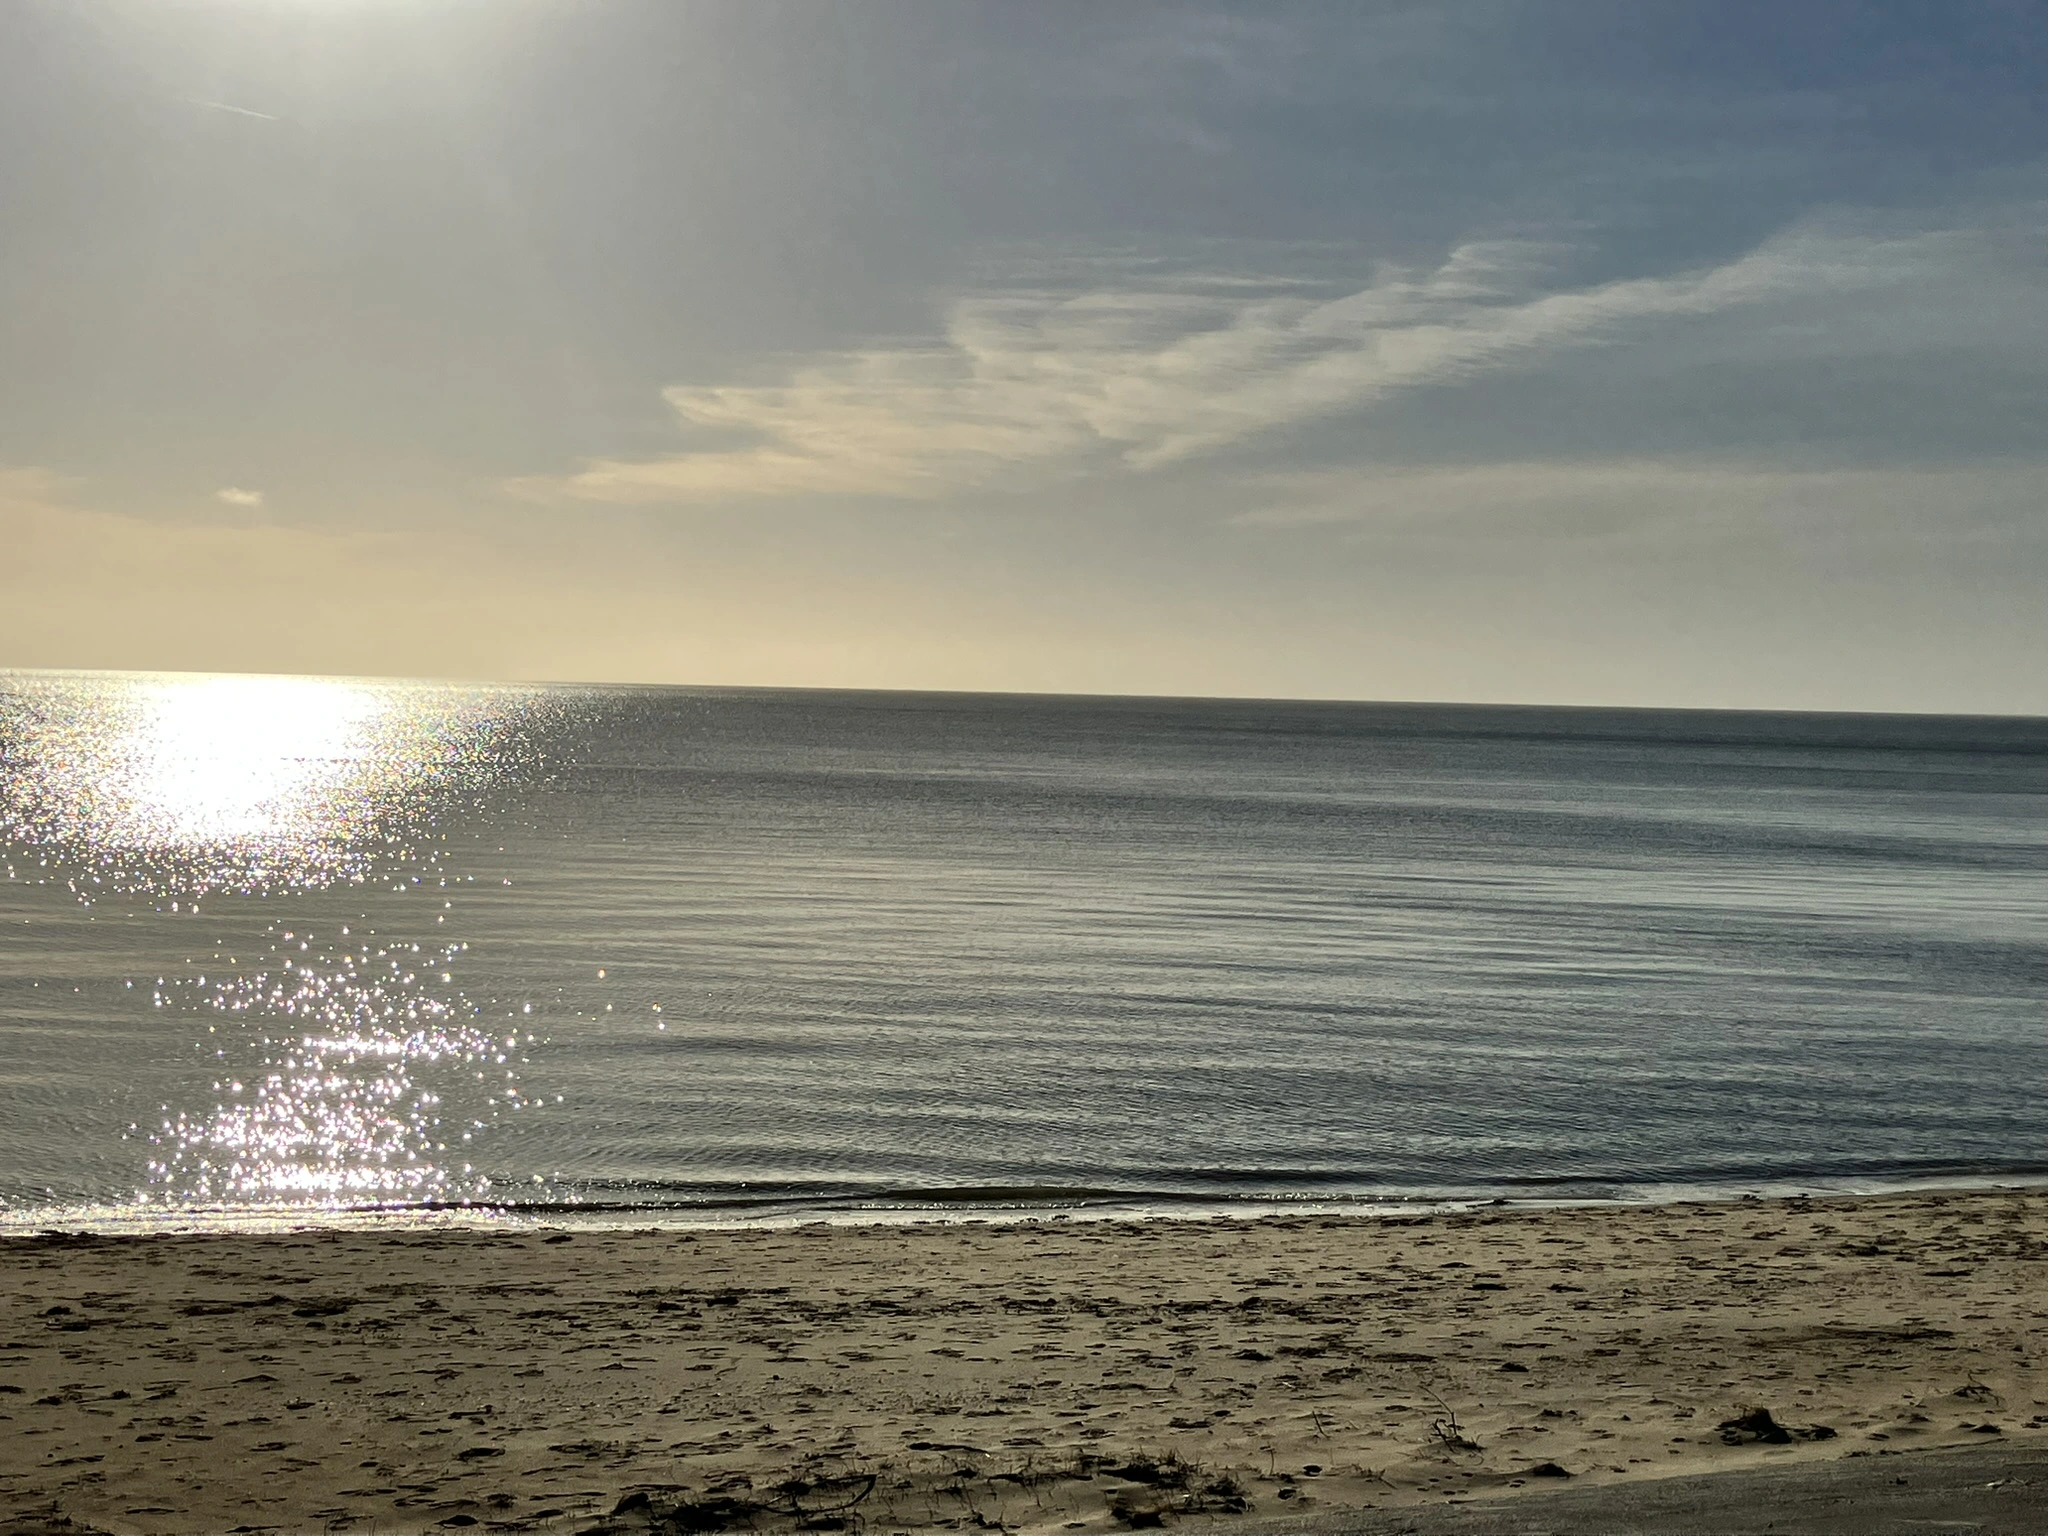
x=1563, y=350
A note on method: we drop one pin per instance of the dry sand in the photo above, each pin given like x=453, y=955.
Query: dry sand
x=1037, y=1376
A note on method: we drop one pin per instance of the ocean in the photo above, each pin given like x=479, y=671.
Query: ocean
x=285, y=948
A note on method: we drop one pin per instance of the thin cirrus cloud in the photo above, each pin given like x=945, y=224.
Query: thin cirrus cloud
x=1650, y=497
x=1139, y=377
x=237, y=496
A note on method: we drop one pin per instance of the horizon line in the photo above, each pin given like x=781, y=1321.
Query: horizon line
x=1560, y=706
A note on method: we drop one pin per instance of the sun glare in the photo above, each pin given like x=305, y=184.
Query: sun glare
x=233, y=759
x=195, y=784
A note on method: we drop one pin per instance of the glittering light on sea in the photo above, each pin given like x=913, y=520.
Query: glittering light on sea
x=370, y=1075
x=188, y=785
x=353, y=1069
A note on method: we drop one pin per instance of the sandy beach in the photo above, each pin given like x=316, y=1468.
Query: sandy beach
x=1046, y=1375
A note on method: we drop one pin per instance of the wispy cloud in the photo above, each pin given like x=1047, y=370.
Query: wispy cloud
x=1034, y=382
x=236, y=496
x=1549, y=500
x=228, y=106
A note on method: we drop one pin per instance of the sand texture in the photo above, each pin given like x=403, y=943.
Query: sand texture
x=1999, y=1488
x=1039, y=1376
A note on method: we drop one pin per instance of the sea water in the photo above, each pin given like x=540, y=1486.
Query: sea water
x=276, y=946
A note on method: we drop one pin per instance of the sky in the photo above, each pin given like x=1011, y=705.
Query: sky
x=1645, y=352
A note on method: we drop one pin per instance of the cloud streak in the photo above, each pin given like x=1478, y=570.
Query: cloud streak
x=228, y=106
x=1551, y=500
x=1036, y=383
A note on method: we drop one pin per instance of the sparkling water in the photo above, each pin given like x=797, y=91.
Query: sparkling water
x=286, y=945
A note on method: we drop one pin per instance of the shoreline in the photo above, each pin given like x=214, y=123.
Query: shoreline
x=1030, y=1374
x=944, y=1207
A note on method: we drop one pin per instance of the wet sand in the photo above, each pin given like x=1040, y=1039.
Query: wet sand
x=1984, y=1490
x=1051, y=1375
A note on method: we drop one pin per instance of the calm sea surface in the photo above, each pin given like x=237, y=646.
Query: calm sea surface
x=284, y=943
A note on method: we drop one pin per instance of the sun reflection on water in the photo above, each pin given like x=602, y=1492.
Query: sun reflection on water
x=353, y=1069
x=233, y=759
x=194, y=784
x=367, y=1066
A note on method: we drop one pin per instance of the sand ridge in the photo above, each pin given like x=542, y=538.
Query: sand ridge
x=1045, y=1375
